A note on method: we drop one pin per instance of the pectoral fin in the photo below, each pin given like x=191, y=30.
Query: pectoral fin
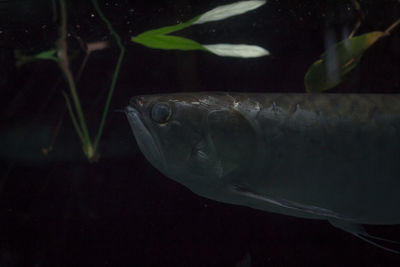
x=288, y=204
x=334, y=218
x=359, y=231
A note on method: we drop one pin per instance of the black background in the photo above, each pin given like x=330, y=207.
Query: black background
x=61, y=210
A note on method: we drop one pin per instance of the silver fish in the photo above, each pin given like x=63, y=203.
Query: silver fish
x=333, y=157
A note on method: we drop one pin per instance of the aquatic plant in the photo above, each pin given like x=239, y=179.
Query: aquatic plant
x=60, y=55
x=339, y=59
x=159, y=38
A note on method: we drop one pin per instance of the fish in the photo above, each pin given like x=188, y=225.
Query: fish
x=333, y=157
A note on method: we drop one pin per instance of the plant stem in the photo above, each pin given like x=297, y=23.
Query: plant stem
x=64, y=65
x=116, y=72
x=357, y=7
x=73, y=118
x=391, y=27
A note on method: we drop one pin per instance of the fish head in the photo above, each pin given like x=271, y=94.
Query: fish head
x=193, y=139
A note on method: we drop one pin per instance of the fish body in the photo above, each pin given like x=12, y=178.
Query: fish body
x=320, y=156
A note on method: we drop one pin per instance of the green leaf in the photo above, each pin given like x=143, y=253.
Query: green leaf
x=157, y=38
x=329, y=71
x=50, y=55
x=168, y=29
x=167, y=42
x=22, y=59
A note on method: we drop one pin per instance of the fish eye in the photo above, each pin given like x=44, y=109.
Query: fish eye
x=161, y=112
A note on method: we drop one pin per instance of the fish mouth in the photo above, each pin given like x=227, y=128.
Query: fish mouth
x=145, y=140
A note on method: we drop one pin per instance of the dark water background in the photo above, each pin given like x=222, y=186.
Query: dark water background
x=60, y=210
